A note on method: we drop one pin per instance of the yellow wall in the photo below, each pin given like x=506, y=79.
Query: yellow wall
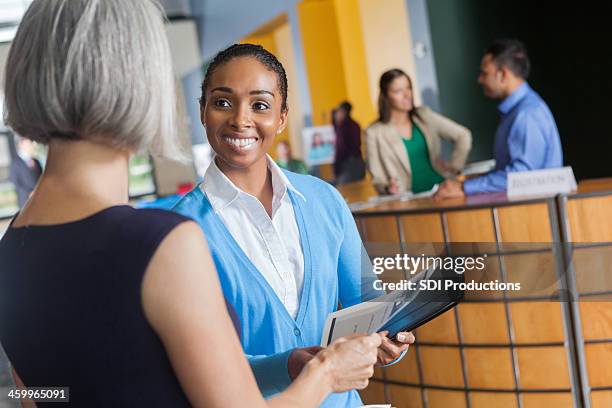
x=354, y=61
x=387, y=41
x=285, y=54
x=318, y=25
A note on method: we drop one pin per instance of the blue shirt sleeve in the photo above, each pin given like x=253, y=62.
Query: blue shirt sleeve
x=355, y=273
x=271, y=372
x=526, y=148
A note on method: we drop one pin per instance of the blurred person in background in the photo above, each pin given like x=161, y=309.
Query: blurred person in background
x=527, y=137
x=285, y=160
x=348, y=161
x=25, y=169
x=123, y=306
x=403, y=146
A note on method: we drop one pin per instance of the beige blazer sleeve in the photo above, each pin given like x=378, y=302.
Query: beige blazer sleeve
x=374, y=164
x=459, y=135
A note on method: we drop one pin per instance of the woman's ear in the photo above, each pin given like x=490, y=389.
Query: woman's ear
x=202, y=118
x=283, y=121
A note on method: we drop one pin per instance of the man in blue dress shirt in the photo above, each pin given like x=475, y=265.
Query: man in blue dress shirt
x=527, y=137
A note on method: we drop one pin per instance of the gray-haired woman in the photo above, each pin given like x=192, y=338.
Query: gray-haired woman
x=121, y=305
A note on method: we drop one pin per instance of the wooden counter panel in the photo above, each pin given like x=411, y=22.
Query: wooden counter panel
x=489, y=368
x=556, y=400
x=442, y=329
x=404, y=397
x=380, y=229
x=422, y=228
x=489, y=400
x=490, y=273
x=593, y=185
x=599, y=364
x=601, y=399
x=596, y=319
x=374, y=393
x=470, y=226
x=483, y=323
x=445, y=399
x=537, y=322
x=536, y=273
x=441, y=366
x=543, y=368
x=378, y=373
x=525, y=223
x=593, y=269
x=585, y=224
x=406, y=370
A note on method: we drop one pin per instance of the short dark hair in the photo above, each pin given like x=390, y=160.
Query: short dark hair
x=346, y=106
x=248, y=50
x=511, y=54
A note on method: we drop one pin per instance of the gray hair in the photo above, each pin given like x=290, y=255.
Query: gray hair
x=93, y=69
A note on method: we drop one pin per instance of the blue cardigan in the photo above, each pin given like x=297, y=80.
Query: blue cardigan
x=334, y=259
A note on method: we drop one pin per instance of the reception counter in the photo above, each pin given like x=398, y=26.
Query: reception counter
x=548, y=346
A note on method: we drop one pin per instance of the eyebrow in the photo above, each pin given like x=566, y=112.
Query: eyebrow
x=254, y=92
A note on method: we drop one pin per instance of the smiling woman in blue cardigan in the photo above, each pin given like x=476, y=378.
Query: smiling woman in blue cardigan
x=285, y=245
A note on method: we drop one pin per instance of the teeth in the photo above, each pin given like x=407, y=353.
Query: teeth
x=240, y=142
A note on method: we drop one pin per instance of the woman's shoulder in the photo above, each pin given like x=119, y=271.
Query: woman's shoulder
x=313, y=188
x=377, y=127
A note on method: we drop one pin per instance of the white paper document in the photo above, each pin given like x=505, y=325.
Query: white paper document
x=370, y=317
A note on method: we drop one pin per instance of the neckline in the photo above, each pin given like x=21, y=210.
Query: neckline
x=67, y=223
x=305, y=244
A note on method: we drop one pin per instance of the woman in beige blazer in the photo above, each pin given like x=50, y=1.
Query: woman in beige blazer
x=403, y=145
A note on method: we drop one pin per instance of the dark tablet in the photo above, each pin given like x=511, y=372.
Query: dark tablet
x=428, y=305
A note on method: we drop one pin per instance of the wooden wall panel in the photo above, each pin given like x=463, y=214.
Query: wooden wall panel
x=556, y=400
x=442, y=329
x=601, y=399
x=406, y=370
x=489, y=368
x=593, y=269
x=381, y=229
x=537, y=322
x=470, y=226
x=543, y=368
x=374, y=393
x=525, y=223
x=587, y=219
x=596, y=319
x=422, y=228
x=483, y=323
x=599, y=364
x=405, y=397
x=441, y=366
x=490, y=400
x=446, y=399
x=536, y=273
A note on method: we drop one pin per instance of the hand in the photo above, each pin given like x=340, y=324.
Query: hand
x=299, y=358
x=393, y=187
x=349, y=361
x=449, y=189
x=391, y=350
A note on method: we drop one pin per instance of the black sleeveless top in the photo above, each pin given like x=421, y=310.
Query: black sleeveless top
x=71, y=309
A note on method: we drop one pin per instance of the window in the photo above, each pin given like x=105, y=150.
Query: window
x=8, y=196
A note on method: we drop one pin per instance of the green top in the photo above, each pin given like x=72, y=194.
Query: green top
x=423, y=174
x=296, y=166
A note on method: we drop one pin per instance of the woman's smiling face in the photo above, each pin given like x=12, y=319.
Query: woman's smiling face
x=242, y=114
